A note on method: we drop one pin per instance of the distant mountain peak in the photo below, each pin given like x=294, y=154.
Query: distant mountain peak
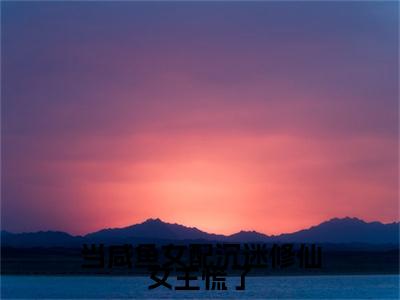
x=249, y=231
x=154, y=220
x=353, y=220
x=345, y=220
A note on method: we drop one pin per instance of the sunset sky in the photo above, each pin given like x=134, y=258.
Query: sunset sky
x=221, y=115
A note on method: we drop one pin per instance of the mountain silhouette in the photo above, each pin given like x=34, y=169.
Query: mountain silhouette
x=346, y=230
x=335, y=231
x=154, y=229
x=40, y=239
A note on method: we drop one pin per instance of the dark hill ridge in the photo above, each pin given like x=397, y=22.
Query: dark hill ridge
x=335, y=231
x=155, y=229
x=346, y=230
x=39, y=239
x=244, y=236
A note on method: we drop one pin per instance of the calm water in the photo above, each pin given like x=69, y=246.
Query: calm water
x=296, y=287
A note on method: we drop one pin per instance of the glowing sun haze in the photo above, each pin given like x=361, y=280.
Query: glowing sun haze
x=225, y=116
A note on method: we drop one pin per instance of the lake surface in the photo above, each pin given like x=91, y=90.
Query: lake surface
x=273, y=287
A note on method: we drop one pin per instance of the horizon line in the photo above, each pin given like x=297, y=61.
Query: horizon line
x=194, y=227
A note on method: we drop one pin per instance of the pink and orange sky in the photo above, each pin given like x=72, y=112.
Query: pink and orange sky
x=259, y=116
